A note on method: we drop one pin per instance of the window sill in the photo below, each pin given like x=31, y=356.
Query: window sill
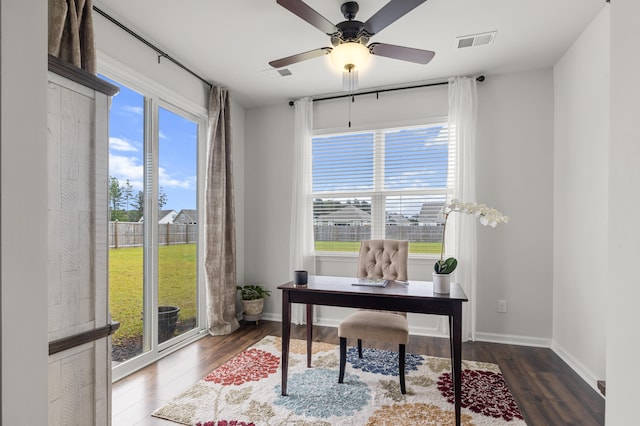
x=353, y=256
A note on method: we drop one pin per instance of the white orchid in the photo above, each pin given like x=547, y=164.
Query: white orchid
x=486, y=215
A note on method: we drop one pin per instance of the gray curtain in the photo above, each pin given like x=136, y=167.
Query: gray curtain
x=71, y=33
x=219, y=219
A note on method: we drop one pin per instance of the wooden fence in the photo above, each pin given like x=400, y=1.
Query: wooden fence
x=131, y=234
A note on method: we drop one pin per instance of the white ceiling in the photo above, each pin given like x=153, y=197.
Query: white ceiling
x=231, y=42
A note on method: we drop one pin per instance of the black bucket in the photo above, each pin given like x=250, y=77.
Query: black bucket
x=167, y=319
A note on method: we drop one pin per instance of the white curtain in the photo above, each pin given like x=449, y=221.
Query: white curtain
x=301, y=254
x=462, y=131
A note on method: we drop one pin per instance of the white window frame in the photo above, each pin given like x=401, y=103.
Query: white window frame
x=377, y=194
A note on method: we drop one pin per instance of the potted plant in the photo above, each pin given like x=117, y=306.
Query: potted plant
x=444, y=267
x=253, y=301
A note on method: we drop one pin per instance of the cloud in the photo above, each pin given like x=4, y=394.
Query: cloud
x=119, y=144
x=124, y=168
x=167, y=181
x=133, y=109
x=162, y=135
x=129, y=167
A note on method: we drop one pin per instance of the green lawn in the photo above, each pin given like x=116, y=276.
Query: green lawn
x=177, y=277
x=354, y=246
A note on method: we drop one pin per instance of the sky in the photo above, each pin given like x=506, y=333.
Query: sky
x=177, y=151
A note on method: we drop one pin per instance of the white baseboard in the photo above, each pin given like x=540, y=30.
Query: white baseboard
x=577, y=366
x=510, y=339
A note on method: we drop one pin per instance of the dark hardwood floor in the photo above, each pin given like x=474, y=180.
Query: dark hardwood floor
x=548, y=392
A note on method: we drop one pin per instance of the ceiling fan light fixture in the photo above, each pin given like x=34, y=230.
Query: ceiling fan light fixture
x=350, y=56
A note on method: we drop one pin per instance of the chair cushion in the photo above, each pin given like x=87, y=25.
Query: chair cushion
x=383, y=259
x=375, y=325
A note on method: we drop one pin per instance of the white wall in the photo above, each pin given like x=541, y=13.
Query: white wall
x=580, y=195
x=238, y=152
x=515, y=175
x=23, y=166
x=268, y=174
x=118, y=44
x=515, y=152
x=621, y=291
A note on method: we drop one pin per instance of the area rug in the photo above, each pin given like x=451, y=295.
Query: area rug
x=245, y=391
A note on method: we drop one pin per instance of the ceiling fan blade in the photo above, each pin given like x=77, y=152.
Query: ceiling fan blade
x=409, y=54
x=279, y=63
x=390, y=13
x=302, y=10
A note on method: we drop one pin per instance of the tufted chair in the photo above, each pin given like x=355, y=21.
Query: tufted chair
x=385, y=259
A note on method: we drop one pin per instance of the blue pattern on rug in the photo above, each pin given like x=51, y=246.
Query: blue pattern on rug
x=380, y=361
x=317, y=393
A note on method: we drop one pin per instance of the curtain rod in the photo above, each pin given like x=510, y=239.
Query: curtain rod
x=161, y=53
x=371, y=92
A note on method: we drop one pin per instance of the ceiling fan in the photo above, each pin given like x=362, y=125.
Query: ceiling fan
x=349, y=38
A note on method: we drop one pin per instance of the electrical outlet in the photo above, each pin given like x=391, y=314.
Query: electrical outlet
x=502, y=306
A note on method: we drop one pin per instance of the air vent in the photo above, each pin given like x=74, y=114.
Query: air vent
x=473, y=40
x=277, y=73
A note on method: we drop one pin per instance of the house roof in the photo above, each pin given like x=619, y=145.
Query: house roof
x=164, y=216
x=398, y=218
x=192, y=215
x=430, y=212
x=346, y=214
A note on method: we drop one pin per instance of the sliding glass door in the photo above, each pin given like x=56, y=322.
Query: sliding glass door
x=154, y=227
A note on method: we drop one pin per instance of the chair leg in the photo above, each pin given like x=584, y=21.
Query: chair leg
x=359, y=348
x=343, y=358
x=401, y=362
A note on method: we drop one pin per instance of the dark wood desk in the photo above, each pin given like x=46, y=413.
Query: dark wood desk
x=418, y=297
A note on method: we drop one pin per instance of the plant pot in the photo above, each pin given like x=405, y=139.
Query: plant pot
x=252, y=309
x=167, y=319
x=441, y=283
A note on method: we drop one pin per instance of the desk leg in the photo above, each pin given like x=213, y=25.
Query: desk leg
x=309, y=333
x=286, y=335
x=455, y=335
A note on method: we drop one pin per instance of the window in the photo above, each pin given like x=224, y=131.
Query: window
x=386, y=183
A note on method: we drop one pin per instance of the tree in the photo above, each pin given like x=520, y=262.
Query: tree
x=138, y=203
x=115, y=197
x=362, y=205
x=322, y=207
x=162, y=198
x=127, y=194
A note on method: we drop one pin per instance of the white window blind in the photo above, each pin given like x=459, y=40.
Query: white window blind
x=387, y=183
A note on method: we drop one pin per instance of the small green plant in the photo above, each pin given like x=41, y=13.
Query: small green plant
x=445, y=266
x=253, y=292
